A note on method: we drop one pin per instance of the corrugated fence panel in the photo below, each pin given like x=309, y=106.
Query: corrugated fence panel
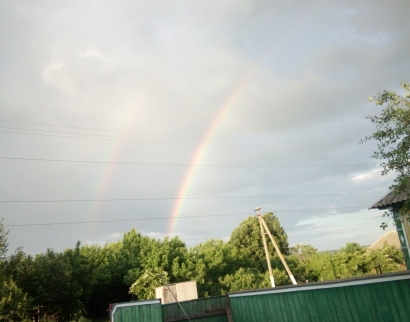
x=137, y=311
x=381, y=298
x=204, y=306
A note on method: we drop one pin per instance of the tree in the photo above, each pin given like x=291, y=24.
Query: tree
x=242, y=279
x=14, y=303
x=352, y=248
x=144, y=287
x=385, y=260
x=247, y=237
x=50, y=282
x=303, y=251
x=3, y=241
x=208, y=261
x=393, y=138
x=103, y=290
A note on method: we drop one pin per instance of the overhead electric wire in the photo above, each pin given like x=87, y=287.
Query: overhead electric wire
x=178, y=198
x=119, y=131
x=77, y=133
x=209, y=145
x=90, y=138
x=96, y=129
x=192, y=141
x=187, y=165
x=168, y=218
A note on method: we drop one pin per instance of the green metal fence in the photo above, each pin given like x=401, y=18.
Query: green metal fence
x=384, y=297
x=137, y=311
x=211, y=309
x=377, y=298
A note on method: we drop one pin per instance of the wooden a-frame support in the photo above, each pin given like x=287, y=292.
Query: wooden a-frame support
x=265, y=229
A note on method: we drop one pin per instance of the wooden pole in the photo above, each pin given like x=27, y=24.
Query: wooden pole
x=278, y=250
x=265, y=245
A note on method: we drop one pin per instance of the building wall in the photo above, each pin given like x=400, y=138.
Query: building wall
x=187, y=291
x=183, y=291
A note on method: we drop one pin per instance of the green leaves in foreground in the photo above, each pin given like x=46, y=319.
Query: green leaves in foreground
x=14, y=303
x=393, y=138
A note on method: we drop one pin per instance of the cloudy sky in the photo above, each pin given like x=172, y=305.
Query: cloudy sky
x=126, y=114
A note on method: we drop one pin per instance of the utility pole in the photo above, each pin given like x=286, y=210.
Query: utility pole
x=264, y=225
x=272, y=280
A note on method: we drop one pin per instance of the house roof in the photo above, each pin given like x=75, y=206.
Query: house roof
x=391, y=199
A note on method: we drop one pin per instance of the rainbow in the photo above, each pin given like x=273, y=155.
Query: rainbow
x=223, y=110
x=113, y=154
x=201, y=149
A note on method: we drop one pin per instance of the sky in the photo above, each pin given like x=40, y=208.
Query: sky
x=178, y=118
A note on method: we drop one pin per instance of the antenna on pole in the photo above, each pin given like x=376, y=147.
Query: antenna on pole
x=264, y=225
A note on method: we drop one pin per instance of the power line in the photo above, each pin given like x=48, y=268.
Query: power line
x=76, y=133
x=121, y=131
x=209, y=145
x=131, y=139
x=88, y=138
x=188, y=165
x=95, y=129
x=117, y=220
x=178, y=198
x=168, y=218
x=86, y=135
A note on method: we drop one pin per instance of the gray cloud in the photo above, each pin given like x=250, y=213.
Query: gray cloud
x=162, y=71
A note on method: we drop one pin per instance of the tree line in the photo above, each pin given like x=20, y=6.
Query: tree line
x=79, y=283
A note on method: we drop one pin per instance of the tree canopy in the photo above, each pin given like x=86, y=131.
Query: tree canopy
x=393, y=137
x=247, y=237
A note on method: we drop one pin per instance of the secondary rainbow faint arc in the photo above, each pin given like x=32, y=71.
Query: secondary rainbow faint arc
x=200, y=151
x=114, y=153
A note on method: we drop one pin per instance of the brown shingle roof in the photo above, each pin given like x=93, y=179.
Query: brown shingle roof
x=390, y=200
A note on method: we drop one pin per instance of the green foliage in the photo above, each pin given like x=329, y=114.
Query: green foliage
x=52, y=283
x=247, y=238
x=3, y=241
x=386, y=260
x=208, y=261
x=352, y=260
x=242, y=279
x=352, y=248
x=14, y=303
x=303, y=251
x=144, y=287
x=393, y=138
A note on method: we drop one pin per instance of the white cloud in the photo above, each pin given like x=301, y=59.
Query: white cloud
x=155, y=234
x=57, y=75
x=92, y=53
x=51, y=73
x=368, y=175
